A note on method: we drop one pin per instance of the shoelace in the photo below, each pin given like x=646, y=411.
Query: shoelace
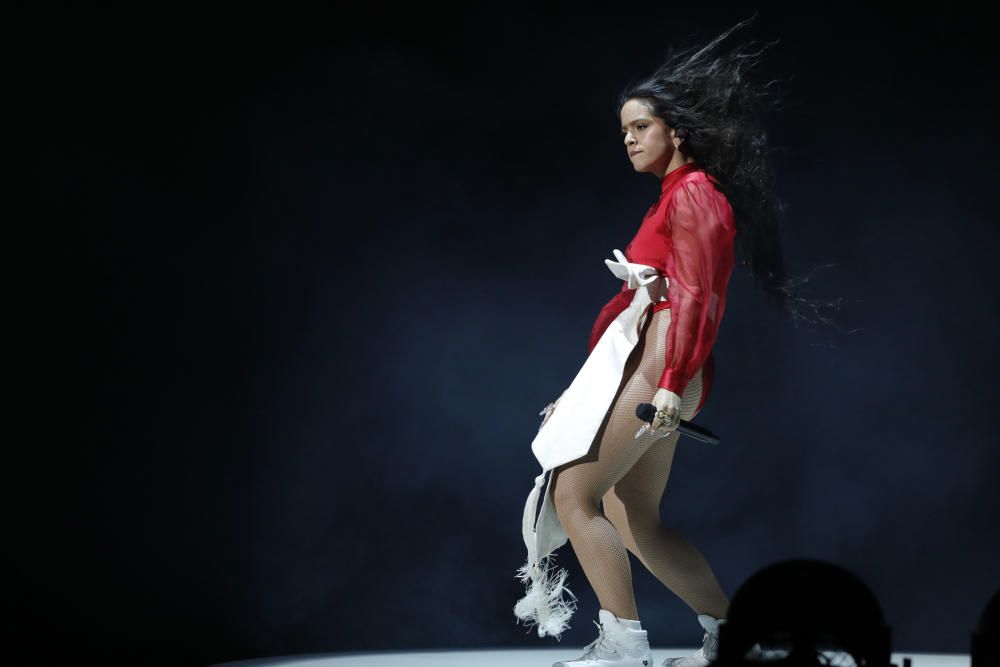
x=710, y=644
x=590, y=649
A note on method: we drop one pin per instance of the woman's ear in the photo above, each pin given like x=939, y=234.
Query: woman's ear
x=678, y=136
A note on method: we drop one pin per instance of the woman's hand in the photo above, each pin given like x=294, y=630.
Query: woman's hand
x=670, y=404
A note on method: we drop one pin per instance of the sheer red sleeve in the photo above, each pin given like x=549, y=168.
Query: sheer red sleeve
x=700, y=223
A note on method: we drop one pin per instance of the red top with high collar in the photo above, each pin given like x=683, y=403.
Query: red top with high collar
x=687, y=235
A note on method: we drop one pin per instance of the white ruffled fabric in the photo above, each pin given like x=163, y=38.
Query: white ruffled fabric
x=566, y=436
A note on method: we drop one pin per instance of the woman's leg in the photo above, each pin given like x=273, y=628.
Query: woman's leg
x=633, y=507
x=578, y=486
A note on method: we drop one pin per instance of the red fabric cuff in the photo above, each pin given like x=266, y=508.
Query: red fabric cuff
x=674, y=380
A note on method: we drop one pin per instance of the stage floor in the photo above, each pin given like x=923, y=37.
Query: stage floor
x=514, y=658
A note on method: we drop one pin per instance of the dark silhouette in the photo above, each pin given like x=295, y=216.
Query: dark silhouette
x=986, y=636
x=795, y=610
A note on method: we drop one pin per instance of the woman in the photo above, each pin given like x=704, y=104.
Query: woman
x=693, y=124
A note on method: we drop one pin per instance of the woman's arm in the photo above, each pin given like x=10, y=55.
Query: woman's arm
x=702, y=231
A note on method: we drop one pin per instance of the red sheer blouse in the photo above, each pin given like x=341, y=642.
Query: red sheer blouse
x=688, y=235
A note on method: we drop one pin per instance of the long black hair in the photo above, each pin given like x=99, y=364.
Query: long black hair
x=717, y=111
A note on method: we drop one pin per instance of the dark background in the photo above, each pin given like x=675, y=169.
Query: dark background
x=295, y=288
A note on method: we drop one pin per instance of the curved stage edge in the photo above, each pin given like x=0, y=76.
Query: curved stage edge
x=514, y=658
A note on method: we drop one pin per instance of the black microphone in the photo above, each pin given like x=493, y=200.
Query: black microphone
x=647, y=412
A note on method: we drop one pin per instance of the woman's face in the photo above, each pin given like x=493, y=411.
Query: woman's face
x=650, y=143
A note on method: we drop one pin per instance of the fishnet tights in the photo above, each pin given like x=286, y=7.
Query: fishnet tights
x=629, y=476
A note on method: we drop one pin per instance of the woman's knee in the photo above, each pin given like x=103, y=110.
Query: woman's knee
x=568, y=497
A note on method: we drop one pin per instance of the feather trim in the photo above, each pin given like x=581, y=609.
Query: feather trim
x=543, y=604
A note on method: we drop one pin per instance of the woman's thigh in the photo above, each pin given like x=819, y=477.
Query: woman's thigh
x=616, y=451
x=640, y=489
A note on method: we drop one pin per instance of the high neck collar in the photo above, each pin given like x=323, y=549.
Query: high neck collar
x=671, y=176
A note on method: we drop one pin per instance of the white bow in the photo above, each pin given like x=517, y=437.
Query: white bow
x=636, y=274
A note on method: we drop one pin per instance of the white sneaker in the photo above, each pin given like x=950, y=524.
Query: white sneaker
x=709, y=649
x=617, y=645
